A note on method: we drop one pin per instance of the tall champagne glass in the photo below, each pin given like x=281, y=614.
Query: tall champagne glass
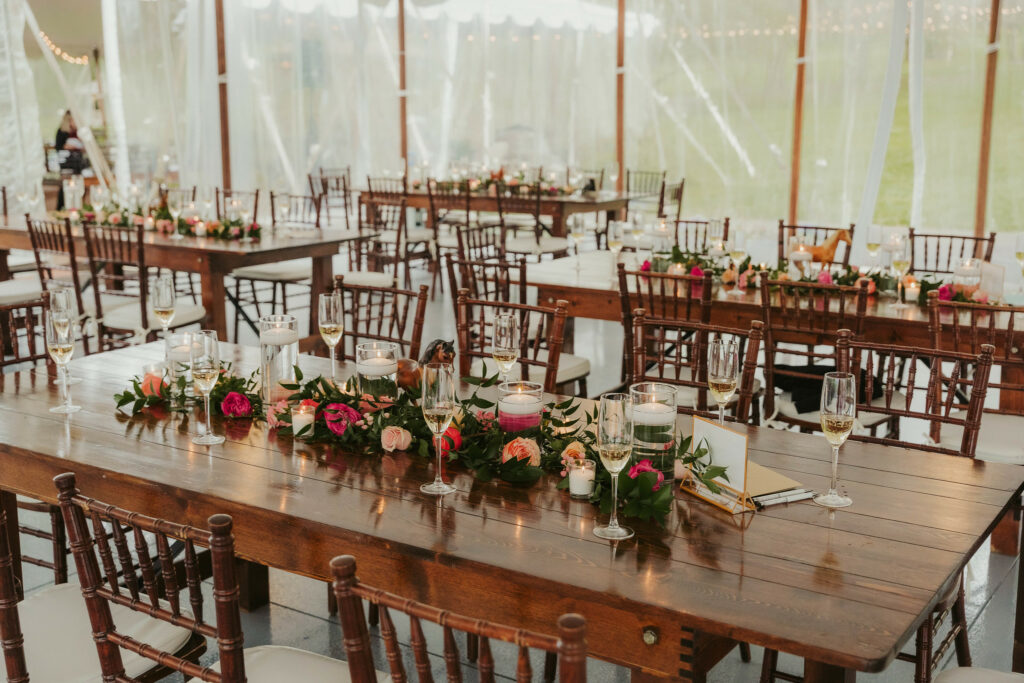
x=60, y=343
x=63, y=304
x=615, y=445
x=205, y=353
x=615, y=241
x=874, y=241
x=162, y=299
x=901, y=265
x=505, y=343
x=174, y=205
x=438, y=405
x=838, y=411
x=332, y=326
x=577, y=232
x=723, y=372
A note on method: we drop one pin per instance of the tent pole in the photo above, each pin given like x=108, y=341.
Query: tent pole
x=620, y=94
x=222, y=81
x=798, y=116
x=402, y=98
x=986, y=120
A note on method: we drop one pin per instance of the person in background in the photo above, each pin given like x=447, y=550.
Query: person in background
x=72, y=159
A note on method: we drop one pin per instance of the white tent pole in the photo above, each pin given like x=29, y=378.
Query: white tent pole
x=115, y=97
x=916, y=84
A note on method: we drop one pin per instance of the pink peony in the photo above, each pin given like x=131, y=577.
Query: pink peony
x=646, y=466
x=275, y=413
x=945, y=293
x=395, y=438
x=451, y=440
x=236, y=405
x=824, y=278
x=486, y=418
x=696, y=272
x=645, y=266
x=339, y=416
x=742, y=282
x=522, y=449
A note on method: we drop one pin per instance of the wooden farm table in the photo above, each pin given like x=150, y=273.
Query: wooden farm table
x=214, y=259
x=845, y=591
x=559, y=207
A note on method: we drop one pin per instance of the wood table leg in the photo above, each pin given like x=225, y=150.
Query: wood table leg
x=323, y=277
x=253, y=584
x=558, y=216
x=817, y=672
x=9, y=508
x=5, y=269
x=215, y=298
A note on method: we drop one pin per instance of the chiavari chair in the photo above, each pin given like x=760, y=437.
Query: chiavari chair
x=967, y=328
x=246, y=198
x=415, y=244
x=490, y=280
x=381, y=314
x=585, y=176
x=450, y=216
x=388, y=248
x=117, y=268
x=692, y=235
x=672, y=200
x=481, y=242
x=969, y=372
x=662, y=295
x=938, y=254
x=522, y=230
x=675, y=352
x=813, y=236
x=651, y=184
x=569, y=646
x=345, y=171
x=186, y=196
x=142, y=622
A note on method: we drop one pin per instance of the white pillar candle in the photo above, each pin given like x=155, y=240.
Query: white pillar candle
x=654, y=414
x=377, y=366
x=200, y=229
x=149, y=223
x=581, y=478
x=279, y=336
x=302, y=417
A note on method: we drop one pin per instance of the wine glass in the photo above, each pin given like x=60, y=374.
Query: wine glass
x=63, y=304
x=205, y=355
x=207, y=196
x=901, y=266
x=613, y=174
x=577, y=231
x=505, y=343
x=636, y=229
x=723, y=372
x=838, y=410
x=60, y=343
x=332, y=326
x=615, y=240
x=874, y=241
x=244, y=213
x=737, y=252
x=438, y=404
x=162, y=298
x=174, y=203
x=615, y=445
x=97, y=197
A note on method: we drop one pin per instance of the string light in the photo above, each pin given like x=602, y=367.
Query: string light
x=81, y=61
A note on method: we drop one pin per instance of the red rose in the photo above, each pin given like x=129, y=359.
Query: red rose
x=646, y=466
x=235, y=405
x=451, y=440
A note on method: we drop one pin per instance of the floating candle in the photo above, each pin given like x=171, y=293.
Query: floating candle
x=654, y=413
x=378, y=366
x=279, y=336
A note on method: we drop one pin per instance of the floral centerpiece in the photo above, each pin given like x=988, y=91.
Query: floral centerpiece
x=233, y=396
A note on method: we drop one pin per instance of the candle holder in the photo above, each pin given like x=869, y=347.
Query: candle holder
x=581, y=478
x=178, y=358
x=654, y=425
x=279, y=353
x=302, y=418
x=519, y=405
x=377, y=368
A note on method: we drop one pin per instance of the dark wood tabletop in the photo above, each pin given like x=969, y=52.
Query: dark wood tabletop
x=845, y=590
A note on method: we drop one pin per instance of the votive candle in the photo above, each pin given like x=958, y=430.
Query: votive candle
x=302, y=417
x=581, y=478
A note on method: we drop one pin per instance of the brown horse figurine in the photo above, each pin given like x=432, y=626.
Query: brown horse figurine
x=826, y=251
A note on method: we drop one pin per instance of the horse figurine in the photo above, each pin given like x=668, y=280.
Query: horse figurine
x=410, y=373
x=825, y=253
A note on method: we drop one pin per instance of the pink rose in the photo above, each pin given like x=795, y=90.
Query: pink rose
x=395, y=438
x=574, y=451
x=152, y=384
x=339, y=416
x=696, y=272
x=486, y=418
x=872, y=288
x=114, y=218
x=945, y=293
x=646, y=466
x=980, y=296
x=368, y=404
x=235, y=231
x=235, y=405
x=645, y=266
x=192, y=220
x=163, y=225
x=824, y=278
x=742, y=281
x=275, y=412
x=451, y=440
x=520, y=449
x=138, y=220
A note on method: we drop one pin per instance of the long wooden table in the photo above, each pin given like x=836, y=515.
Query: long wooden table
x=214, y=259
x=845, y=591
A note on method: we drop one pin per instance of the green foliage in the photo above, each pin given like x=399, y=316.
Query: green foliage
x=174, y=397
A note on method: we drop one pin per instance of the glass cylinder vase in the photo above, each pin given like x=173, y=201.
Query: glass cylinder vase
x=654, y=420
x=279, y=352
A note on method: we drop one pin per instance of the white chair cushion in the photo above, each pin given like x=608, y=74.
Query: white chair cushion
x=997, y=440
x=109, y=302
x=369, y=278
x=412, y=235
x=19, y=261
x=518, y=219
x=283, y=271
x=130, y=317
x=20, y=290
x=58, y=636
x=273, y=664
x=448, y=240
x=570, y=368
x=784, y=405
x=528, y=245
x=973, y=675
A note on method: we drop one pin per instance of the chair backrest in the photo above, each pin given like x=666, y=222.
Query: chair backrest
x=23, y=326
x=967, y=327
x=53, y=245
x=381, y=314
x=108, y=574
x=521, y=199
x=490, y=280
x=813, y=236
x=480, y=242
x=388, y=249
x=885, y=363
x=672, y=200
x=646, y=182
x=570, y=645
x=345, y=171
x=664, y=296
x=941, y=254
x=541, y=334
x=446, y=197
x=802, y=320
x=692, y=235
x=222, y=199
x=676, y=352
x=303, y=210
x=335, y=193
x=185, y=194
x=586, y=175
x=10, y=594
x=116, y=259
x=387, y=190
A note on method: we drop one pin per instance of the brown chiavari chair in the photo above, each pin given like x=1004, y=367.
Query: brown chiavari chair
x=648, y=183
x=3, y=201
x=665, y=296
x=522, y=230
x=144, y=623
x=967, y=328
x=387, y=190
x=381, y=314
x=673, y=199
x=675, y=352
x=481, y=242
x=345, y=171
x=802, y=320
x=885, y=363
x=117, y=268
x=541, y=335
x=415, y=244
x=187, y=195
x=388, y=248
x=246, y=198
x=936, y=254
x=586, y=175
x=570, y=645
x=692, y=235
x=336, y=195
x=491, y=280
x=450, y=217
x=812, y=236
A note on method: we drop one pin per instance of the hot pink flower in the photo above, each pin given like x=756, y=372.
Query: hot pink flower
x=521, y=448
x=395, y=438
x=236, y=405
x=451, y=440
x=235, y=231
x=339, y=416
x=696, y=272
x=645, y=266
x=486, y=417
x=275, y=412
x=824, y=278
x=742, y=281
x=945, y=293
x=646, y=466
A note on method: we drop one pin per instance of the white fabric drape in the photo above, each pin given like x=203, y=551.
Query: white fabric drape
x=22, y=163
x=1005, y=199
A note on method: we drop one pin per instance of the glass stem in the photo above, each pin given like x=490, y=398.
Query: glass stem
x=835, y=470
x=437, y=447
x=334, y=365
x=65, y=390
x=206, y=404
x=613, y=523
x=721, y=413
x=899, y=288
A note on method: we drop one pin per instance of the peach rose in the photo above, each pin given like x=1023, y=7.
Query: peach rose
x=521, y=448
x=871, y=284
x=114, y=219
x=153, y=384
x=729, y=277
x=395, y=439
x=574, y=451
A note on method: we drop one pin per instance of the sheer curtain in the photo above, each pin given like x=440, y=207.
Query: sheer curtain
x=1005, y=199
x=21, y=164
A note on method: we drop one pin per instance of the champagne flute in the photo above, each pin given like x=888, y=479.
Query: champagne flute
x=901, y=265
x=438, y=404
x=615, y=445
x=162, y=299
x=63, y=305
x=613, y=174
x=60, y=343
x=332, y=326
x=874, y=241
x=615, y=240
x=737, y=252
x=205, y=354
x=838, y=411
x=505, y=343
x=723, y=372
x=243, y=214
x=577, y=231
x=174, y=207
